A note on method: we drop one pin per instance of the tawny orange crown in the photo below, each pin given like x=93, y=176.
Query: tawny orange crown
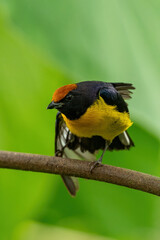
x=61, y=92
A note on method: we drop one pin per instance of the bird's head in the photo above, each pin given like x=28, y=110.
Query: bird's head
x=73, y=99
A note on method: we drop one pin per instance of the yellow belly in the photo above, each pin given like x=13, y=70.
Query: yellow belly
x=99, y=120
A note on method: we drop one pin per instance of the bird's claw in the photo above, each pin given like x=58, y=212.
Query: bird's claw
x=59, y=153
x=94, y=165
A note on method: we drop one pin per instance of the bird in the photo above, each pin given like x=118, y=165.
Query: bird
x=92, y=116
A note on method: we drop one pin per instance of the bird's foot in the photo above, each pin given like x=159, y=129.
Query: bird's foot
x=95, y=164
x=98, y=163
x=59, y=153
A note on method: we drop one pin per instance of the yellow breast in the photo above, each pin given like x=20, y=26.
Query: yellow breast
x=100, y=119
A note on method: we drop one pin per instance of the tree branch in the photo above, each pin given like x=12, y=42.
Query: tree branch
x=77, y=168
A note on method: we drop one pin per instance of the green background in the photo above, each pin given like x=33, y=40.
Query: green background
x=44, y=45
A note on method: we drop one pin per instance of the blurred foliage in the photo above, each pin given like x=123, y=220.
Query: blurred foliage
x=44, y=45
x=41, y=232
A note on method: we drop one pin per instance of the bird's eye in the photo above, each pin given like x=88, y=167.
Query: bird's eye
x=69, y=97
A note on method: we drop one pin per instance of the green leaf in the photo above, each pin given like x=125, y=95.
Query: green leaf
x=27, y=82
x=106, y=40
x=33, y=230
x=102, y=40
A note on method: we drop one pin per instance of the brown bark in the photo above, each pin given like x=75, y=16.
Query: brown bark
x=77, y=168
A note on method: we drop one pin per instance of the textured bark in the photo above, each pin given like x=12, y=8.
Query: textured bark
x=77, y=168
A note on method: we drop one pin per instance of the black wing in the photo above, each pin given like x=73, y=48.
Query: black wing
x=112, y=97
x=124, y=89
x=115, y=95
x=68, y=145
x=62, y=133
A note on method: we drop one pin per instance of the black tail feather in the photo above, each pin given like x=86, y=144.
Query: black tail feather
x=71, y=185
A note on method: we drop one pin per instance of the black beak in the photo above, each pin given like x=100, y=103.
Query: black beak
x=51, y=105
x=54, y=105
